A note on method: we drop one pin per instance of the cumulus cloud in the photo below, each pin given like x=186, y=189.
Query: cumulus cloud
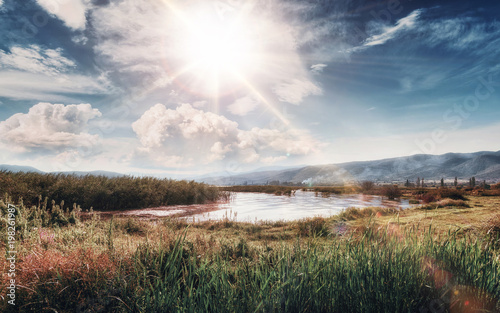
x=243, y=106
x=187, y=136
x=50, y=127
x=71, y=12
x=294, y=91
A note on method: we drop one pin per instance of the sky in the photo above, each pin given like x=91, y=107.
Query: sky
x=184, y=88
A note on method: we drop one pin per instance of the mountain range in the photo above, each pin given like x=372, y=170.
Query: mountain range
x=484, y=165
x=18, y=168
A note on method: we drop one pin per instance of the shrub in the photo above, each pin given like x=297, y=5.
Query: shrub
x=391, y=192
x=453, y=194
x=428, y=198
x=367, y=185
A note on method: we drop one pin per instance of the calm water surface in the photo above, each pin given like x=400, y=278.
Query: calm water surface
x=249, y=207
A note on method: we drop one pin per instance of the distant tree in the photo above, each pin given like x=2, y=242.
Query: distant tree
x=407, y=183
x=418, y=182
x=456, y=182
x=367, y=185
x=442, y=182
x=422, y=182
x=473, y=181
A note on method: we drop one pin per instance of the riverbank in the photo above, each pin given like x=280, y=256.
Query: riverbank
x=384, y=259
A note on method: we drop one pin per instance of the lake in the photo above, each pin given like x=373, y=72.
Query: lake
x=249, y=207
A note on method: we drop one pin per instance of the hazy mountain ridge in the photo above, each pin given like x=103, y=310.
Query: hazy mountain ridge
x=18, y=168
x=484, y=165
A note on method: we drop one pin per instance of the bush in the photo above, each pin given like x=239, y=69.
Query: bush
x=428, y=198
x=391, y=192
x=367, y=185
x=451, y=194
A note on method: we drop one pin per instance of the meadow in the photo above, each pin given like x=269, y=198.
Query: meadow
x=443, y=256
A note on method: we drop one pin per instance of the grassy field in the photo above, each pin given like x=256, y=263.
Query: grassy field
x=436, y=258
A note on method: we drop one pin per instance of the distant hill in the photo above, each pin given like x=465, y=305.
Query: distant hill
x=18, y=168
x=483, y=165
x=95, y=173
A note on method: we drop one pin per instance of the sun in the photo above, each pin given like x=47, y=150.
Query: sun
x=216, y=50
x=219, y=46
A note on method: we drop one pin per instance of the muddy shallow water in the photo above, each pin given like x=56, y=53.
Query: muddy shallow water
x=250, y=207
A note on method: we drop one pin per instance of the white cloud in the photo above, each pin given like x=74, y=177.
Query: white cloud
x=33, y=72
x=145, y=39
x=389, y=33
x=463, y=33
x=458, y=33
x=318, y=68
x=34, y=59
x=243, y=106
x=71, y=12
x=187, y=136
x=291, y=141
x=28, y=86
x=295, y=90
x=80, y=39
x=193, y=134
x=50, y=127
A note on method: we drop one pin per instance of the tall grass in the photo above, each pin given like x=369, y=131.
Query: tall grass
x=103, y=193
x=378, y=269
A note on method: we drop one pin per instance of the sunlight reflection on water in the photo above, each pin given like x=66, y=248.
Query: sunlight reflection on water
x=249, y=207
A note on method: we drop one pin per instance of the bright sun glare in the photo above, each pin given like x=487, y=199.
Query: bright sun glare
x=220, y=51
x=218, y=46
x=217, y=50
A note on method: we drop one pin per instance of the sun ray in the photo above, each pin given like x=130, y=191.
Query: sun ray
x=263, y=99
x=219, y=46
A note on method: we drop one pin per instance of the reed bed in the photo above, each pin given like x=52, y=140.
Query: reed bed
x=104, y=193
x=125, y=265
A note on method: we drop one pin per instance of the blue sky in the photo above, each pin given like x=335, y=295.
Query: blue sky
x=191, y=87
